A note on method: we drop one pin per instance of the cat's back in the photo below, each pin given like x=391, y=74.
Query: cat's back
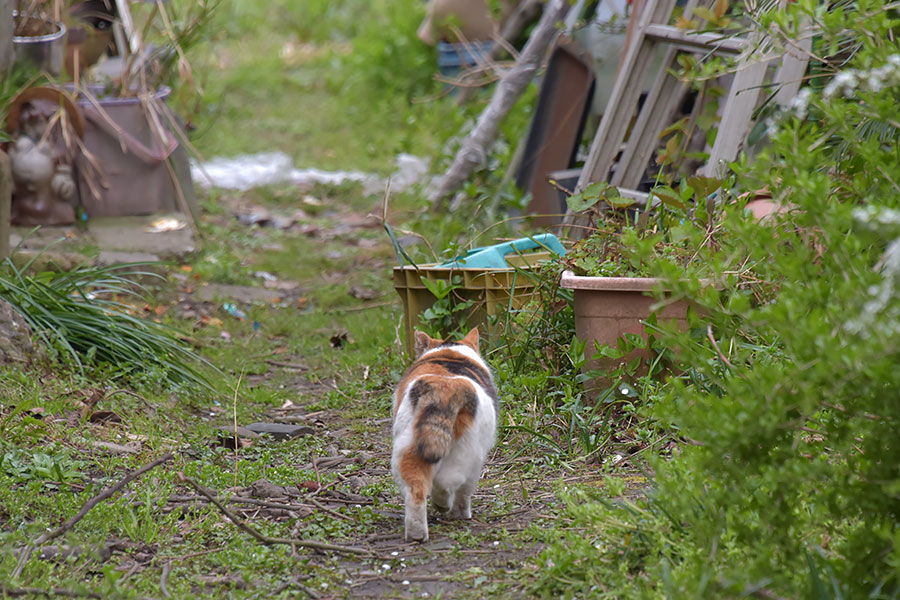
x=449, y=362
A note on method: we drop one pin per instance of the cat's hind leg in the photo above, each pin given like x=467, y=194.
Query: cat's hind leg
x=462, y=501
x=440, y=498
x=416, y=477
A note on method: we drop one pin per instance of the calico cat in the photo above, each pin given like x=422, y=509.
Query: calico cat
x=445, y=423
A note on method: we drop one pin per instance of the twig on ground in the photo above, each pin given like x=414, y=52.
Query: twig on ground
x=234, y=411
x=30, y=591
x=331, y=512
x=237, y=500
x=287, y=365
x=264, y=539
x=293, y=582
x=185, y=557
x=46, y=537
x=164, y=578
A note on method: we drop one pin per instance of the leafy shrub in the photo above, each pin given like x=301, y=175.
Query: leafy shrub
x=789, y=485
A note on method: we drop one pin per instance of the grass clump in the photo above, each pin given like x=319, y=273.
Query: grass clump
x=82, y=317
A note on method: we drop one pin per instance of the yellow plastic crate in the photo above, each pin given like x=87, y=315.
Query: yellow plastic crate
x=489, y=289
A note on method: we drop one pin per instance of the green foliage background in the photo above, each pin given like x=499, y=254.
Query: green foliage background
x=789, y=486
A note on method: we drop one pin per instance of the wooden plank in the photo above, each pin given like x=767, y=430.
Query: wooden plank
x=624, y=97
x=793, y=68
x=739, y=106
x=664, y=98
x=705, y=41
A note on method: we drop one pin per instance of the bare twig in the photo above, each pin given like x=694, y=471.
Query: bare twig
x=712, y=339
x=236, y=500
x=234, y=412
x=287, y=365
x=46, y=537
x=331, y=512
x=264, y=539
x=30, y=591
x=164, y=578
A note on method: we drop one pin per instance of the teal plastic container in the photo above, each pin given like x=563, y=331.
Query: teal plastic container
x=494, y=257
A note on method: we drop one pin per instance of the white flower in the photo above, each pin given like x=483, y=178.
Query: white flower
x=800, y=103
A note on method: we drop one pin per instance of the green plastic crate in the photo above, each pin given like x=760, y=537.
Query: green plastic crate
x=491, y=290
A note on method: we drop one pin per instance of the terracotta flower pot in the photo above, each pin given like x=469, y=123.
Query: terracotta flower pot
x=606, y=308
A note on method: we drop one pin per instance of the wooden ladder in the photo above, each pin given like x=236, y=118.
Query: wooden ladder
x=666, y=95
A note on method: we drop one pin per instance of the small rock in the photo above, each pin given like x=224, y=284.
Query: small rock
x=356, y=483
x=266, y=489
x=241, y=432
x=280, y=431
x=362, y=293
x=61, y=553
x=15, y=336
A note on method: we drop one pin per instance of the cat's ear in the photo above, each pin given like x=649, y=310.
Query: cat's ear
x=471, y=340
x=424, y=343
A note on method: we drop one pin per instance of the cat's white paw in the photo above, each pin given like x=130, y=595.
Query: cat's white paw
x=416, y=522
x=462, y=514
x=416, y=532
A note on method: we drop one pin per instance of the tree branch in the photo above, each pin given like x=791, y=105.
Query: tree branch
x=264, y=539
x=473, y=152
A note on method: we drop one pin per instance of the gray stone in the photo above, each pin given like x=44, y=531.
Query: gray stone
x=130, y=234
x=108, y=258
x=281, y=431
x=15, y=336
x=230, y=431
x=102, y=552
x=262, y=488
x=114, y=235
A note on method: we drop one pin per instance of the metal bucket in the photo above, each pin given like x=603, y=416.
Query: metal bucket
x=42, y=52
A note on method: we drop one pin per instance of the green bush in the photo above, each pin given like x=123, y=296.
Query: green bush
x=790, y=483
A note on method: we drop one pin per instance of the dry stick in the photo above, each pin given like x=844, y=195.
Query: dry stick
x=246, y=528
x=16, y=592
x=287, y=365
x=253, y=501
x=46, y=537
x=474, y=148
x=331, y=512
x=712, y=339
x=164, y=578
x=234, y=410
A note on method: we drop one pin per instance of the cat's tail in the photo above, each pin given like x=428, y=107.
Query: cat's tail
x=444, y=409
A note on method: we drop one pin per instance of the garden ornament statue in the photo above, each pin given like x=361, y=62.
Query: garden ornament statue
x=43, y=186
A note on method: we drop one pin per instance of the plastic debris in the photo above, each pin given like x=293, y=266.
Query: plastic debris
x=165, y=224
x=267, y=168
x=234, y=311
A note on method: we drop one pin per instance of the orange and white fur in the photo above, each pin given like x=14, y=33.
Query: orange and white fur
x=445, y=423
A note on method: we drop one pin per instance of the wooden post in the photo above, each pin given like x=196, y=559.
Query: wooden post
x=6, y=36
x=5, y=201
x=6, y=59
